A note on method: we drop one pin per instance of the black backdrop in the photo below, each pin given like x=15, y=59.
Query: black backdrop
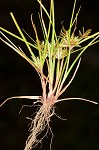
x=17, y=77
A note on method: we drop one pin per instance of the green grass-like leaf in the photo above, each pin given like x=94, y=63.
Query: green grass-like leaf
x=54, y=50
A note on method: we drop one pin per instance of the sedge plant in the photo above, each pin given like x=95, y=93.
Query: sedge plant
x=55, y=53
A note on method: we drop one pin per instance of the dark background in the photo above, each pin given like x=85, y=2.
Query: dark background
x=17, y=77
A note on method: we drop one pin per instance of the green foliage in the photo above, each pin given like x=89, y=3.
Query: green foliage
x=54, y=51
